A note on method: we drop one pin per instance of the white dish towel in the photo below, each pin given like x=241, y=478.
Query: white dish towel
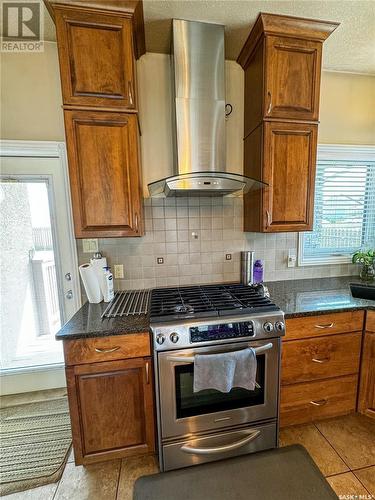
x=226, y=370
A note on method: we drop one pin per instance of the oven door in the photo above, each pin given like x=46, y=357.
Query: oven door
x=183, y=412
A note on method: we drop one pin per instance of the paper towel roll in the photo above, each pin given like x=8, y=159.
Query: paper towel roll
x=91, y=283
x=98, y=265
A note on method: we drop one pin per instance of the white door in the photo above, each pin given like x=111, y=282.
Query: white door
x=39, y=275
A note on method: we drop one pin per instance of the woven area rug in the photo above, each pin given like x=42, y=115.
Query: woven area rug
x=35, y=439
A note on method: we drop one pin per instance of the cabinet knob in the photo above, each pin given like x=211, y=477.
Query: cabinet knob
x=69, y=294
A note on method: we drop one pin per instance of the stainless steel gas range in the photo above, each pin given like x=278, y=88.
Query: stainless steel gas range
x=197, y=427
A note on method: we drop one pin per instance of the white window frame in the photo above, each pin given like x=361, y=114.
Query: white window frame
x=335, y=152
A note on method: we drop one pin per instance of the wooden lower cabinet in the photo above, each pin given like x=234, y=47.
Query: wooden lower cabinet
x=306, y=402
x=366, y=400
x=111, y=408
x=320, y=366
x=324, y=357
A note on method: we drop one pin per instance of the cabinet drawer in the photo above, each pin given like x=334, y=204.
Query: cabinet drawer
x=323, y=324
x=370, y=321
x=324, y=357
x=301, y=403
x=77, y=352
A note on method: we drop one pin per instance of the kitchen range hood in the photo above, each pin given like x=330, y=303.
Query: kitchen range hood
x=199, y=115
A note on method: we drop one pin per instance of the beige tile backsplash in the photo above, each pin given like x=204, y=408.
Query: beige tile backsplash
x=193, y=235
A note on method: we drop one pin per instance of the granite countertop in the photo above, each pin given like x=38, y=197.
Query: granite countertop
x=295, y=297
x=316, y=296
x=87, y=322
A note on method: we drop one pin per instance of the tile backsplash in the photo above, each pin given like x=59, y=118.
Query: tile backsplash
x=193, y=236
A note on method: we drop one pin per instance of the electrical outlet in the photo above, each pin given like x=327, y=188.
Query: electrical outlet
x=118, y=270
x=90, y=245
x=292, y=257
x=228, y=256
x=160, y=260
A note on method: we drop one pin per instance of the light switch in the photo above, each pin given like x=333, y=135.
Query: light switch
x=292, y=257
x=90, y=245
x=118, y=271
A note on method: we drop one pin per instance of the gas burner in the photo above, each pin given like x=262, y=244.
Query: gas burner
x=183, y=309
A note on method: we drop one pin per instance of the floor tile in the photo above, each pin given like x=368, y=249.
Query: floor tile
x=353, y=438
x=92, y=482
x=42, y=493
x=320, y=450
x=131, y=470
x=367, y=478
x=347, y=485
x=71, y=455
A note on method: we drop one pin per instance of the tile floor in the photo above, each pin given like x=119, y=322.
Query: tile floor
x=344, y=450
x=342, y=447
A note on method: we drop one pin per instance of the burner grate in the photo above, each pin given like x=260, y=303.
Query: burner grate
x=207, y=301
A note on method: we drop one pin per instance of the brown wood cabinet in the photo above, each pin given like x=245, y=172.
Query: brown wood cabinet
x=320, y=366
x=104, y=173
x=111, y=402
x=96, y=59
x=284, y=154
x=366, y=400
x=282, y=64
x=98, y=42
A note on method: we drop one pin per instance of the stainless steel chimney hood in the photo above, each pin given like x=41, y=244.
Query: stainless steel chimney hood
x=199, y=114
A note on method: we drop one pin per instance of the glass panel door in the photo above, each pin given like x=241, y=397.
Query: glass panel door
x=31, y=311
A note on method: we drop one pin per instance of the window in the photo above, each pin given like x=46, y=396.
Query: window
x=344, y=211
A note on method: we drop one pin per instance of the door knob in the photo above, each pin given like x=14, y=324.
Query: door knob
x=69, y=294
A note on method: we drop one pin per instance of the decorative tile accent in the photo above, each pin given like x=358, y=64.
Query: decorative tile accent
x=217, y=223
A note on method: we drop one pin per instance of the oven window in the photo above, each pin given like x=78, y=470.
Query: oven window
x=190, y=403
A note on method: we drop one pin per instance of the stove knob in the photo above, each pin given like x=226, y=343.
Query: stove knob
x=268, y=327
x=279, y=326
x=174, y=337
x=160, y=338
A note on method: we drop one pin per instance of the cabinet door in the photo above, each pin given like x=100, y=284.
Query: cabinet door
x=96, y=59
x=366, y=400
x=104, y=173
x=289, y=164
x=111, y=406
x=293, y=78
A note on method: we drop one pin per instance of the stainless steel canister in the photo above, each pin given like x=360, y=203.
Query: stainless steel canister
x=247, y=267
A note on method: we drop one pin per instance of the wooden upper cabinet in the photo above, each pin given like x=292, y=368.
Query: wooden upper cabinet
x=282, y=63
x=289, y=169
x=284, y=156
x=292, y=78
x=104, y=173
x=96, y=59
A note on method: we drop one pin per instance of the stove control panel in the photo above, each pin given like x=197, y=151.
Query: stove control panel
x=206, y=333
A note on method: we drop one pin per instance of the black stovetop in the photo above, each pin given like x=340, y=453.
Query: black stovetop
x=210, y=301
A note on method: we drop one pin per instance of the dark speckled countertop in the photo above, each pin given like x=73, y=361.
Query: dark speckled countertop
x=316, y=296
x=87, y=323
x=295, y=297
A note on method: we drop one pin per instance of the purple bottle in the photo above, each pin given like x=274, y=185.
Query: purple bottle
x=258, y=271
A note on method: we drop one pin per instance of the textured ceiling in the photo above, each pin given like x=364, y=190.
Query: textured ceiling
x=350, y=48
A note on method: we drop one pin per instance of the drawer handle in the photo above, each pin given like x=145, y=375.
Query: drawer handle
x=324, y=360
x=328, y=325
x=321, y=402
x=130, y=93
x=269, y=102
x=106, y=351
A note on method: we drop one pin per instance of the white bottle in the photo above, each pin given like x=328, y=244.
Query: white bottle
x=107, y=289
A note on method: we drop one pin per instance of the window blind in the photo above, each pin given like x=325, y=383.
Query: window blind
x=344, y=213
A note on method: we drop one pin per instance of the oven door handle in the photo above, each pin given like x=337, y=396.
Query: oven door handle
x=221, y=449
x=190, y=359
